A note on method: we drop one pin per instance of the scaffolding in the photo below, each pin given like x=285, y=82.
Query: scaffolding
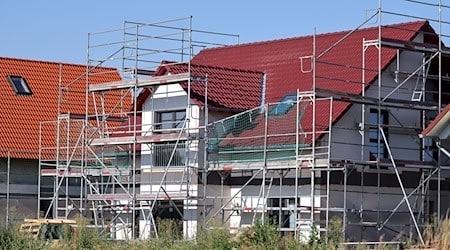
x=417, y=90
x=124, y=167
x=95, y=166
x=247, y=147
x=273, y=146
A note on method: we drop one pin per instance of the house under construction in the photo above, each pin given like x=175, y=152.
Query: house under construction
x=297, y=131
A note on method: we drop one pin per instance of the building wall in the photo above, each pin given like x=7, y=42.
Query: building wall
x=171, y=98
x=366, y=202
x=166, y=98
x=348, y=133
x=23, y=189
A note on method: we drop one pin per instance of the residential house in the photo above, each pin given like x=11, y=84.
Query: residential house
x=33, y=93
x=297, y=130
x=356, y=177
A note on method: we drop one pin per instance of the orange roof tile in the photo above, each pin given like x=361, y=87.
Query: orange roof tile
x=21, y=115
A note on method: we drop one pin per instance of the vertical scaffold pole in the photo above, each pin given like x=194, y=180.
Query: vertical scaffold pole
x=313, y=139
x=264, y=173
x=8, y=174
x=134, y=234
x=205, y=153
x=38, y=215
x=440, y=106
x=297, y=165
x=379, y=128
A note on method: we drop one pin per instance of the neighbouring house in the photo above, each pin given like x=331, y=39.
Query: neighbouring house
x=32, y=94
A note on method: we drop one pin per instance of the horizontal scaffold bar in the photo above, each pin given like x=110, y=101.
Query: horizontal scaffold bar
x=121, y=140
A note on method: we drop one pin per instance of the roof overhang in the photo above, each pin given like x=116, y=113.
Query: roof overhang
x=439, y=127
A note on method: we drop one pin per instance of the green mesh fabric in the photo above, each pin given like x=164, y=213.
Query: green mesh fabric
x=272, y=132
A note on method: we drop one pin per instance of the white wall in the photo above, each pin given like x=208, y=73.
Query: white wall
x=347, y=140
x=167, y=98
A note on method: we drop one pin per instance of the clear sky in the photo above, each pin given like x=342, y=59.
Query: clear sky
x=56, y=30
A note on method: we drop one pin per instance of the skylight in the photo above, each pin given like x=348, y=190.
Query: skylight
x=283, y=106
x=19, y=85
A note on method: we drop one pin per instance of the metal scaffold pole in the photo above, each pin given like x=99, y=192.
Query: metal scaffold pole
x=8, y=174
x=313, y=137
x=297, y=166
x=379, y=128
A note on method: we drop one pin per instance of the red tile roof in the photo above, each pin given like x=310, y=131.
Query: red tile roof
x=227, y=88
x=279, y=60
x=20, y=115
x=439, y=124
x=281, y=129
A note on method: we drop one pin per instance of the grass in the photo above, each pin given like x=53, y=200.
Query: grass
x=259, y=236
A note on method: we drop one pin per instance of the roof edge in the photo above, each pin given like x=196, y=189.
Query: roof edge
x=52, y=62
x=310, y=36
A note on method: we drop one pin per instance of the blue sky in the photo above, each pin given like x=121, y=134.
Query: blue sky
x=56, y=30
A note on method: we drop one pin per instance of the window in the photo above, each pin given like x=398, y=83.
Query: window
x=375, y=135
x=19, y=85
x=283, y=107
x=167, y=120
x=430, y=150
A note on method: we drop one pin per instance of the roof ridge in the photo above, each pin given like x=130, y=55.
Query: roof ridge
x=227, y=68
x=50, y=62
x=212, y=67
x=307, y=36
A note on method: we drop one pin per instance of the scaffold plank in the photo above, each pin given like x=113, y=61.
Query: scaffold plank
x=142, y=196
x=142, y=82
x=77, y=172
x=139, y=139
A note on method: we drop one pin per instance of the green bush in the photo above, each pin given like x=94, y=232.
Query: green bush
x=170, y=233
x=13, y=239
x=214, y=237
x=260, y=236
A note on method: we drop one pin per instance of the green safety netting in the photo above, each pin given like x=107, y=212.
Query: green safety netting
x=272, y=132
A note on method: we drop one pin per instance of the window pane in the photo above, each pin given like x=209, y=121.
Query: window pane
x=166, y=117
x=170, y=119
x=20, y=85
x=375, y=136
x=180, y=117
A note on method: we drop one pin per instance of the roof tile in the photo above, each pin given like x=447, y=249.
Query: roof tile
x=227, y=88
x=21, y=115
x=280, y=61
